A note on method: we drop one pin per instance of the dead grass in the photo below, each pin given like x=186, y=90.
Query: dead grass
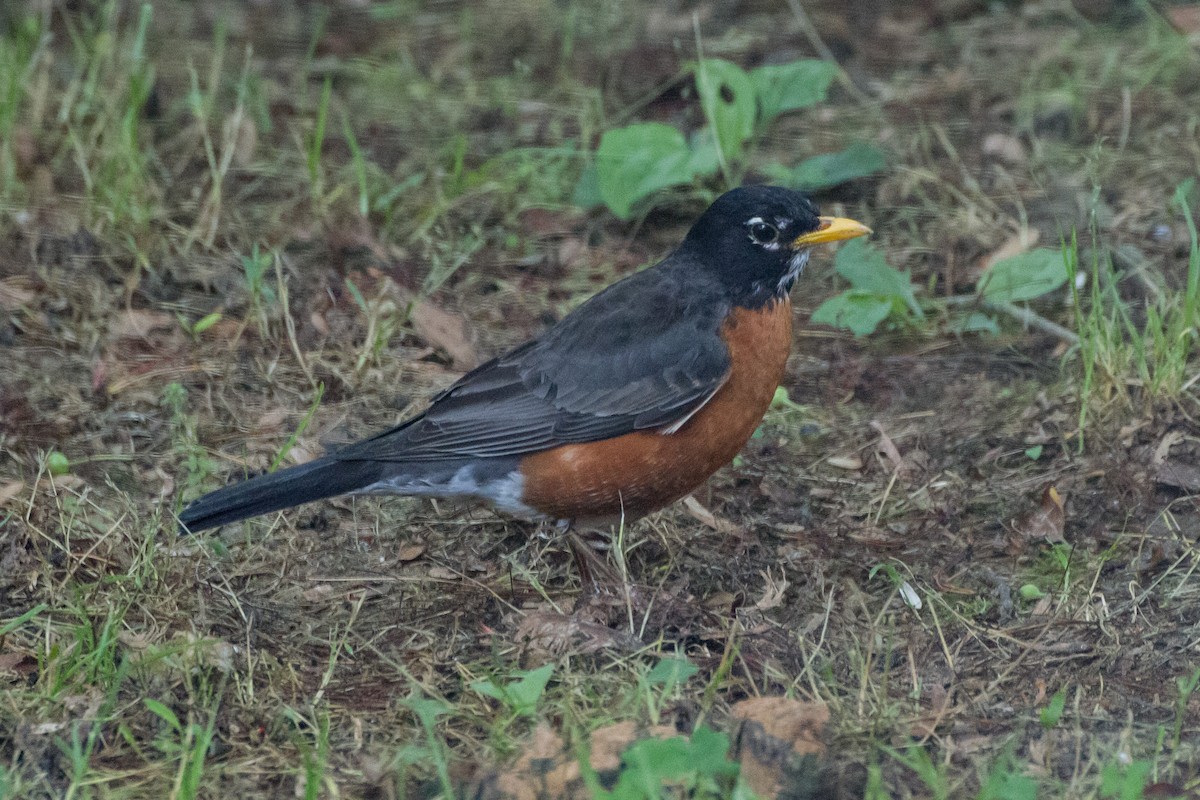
x=339, y=650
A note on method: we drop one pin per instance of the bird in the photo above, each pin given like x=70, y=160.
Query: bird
x=627, y=404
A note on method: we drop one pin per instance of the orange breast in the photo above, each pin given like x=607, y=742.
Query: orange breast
x=640, y=472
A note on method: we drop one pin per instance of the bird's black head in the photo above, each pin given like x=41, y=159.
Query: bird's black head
x=756, y=240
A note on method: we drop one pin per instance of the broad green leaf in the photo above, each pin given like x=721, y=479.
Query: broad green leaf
x=659, y=759
x=709, y=750
x=868, y=272
x=520, y=695
x=524, y=693
x=1024, y=277
x=857, y=312
x=704, y=159
x=856, y=161
x=977, y=322
x=727, y=97
x=1052, y=713
x=671, y=671
x=787, y=87
x=489, y=688
x=587, y=190
x=638, y=160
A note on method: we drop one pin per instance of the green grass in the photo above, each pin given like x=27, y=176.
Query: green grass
x=1135, y=356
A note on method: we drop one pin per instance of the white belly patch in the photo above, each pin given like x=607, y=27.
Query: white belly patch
x=503, y=492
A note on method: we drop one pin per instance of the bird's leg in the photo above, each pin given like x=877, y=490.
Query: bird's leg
x=595, y=573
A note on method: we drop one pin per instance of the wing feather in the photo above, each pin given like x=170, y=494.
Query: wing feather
x=636, y=356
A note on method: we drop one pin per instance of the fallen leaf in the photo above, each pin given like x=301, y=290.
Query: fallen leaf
x=891, y=452
x=411, y=551
x=772, y=592
x=1047, y=522
x=547, y=768
x=10, y=490
x=1015, y=245
x=556, y=634
x=708, y=519
x=445, y=330
x=779, y=744
x=1177, y=473
x=317, y=592
x=1185, y=19
x=271, y=420
x=1004, y=147
x=137, y=323
x=22, y=664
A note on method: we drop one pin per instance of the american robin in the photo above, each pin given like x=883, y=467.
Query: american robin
x=629, y=403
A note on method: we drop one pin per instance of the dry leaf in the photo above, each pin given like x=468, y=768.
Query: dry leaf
x=772, y=592
x=271, y=420
x=891, y=452
x=10, y=490
x=445, y=330
x=22, y=664
x=411, y=551
x=1004, y=147
x=137, y=323
x=698, y=512
x=555, y=634
x=1047, y=522
x=779, y=743
x=1185, y=19
x=1178, y=473
x=1015, y=245
x=317, y=592
x=547, y=769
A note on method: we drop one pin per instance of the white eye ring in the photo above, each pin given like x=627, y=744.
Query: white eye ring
x=762, y=233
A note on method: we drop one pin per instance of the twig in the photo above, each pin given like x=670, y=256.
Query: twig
x=1024, y=315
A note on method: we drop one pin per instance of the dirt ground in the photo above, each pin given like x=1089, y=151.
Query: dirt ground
x=981, y=586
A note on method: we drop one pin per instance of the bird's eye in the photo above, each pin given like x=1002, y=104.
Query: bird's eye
x=762, y=232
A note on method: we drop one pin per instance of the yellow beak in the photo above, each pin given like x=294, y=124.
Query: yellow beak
x=832, y=229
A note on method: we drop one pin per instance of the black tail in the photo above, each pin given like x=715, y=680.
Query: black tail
x=315, y=480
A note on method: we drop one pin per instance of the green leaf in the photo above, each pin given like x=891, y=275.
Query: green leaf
x=788, y=87
x=1051, y=714
x=868, y=272
x=818, y=172
x=1034, y=453
x=587, y=190
x=709, y=750
x=858, y=312
x=521, y=696
x=728, y=99
x=1024, y=277
x=524, y=693
x=704, y=159
x=977, y=322
x=427, y=709
x=635, y=161
x=1005, y=782
x=489, y=688
x=671, y=672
